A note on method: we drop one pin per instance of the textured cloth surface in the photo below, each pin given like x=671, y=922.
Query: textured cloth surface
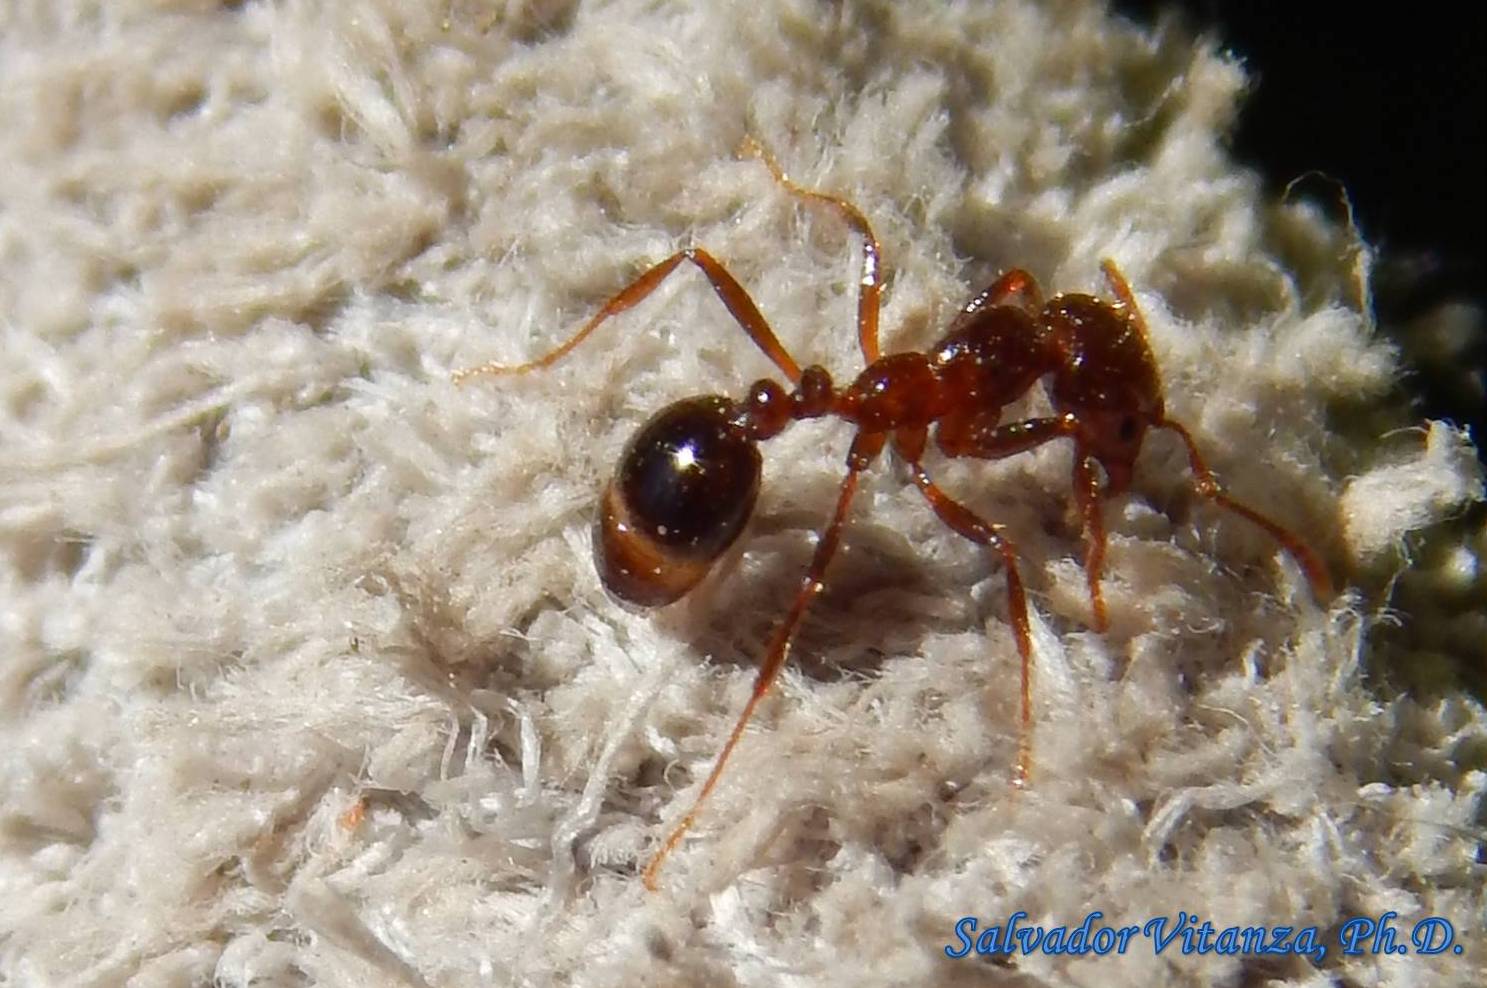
x=306, y=674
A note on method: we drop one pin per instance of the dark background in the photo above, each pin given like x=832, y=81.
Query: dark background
x=1392, y=103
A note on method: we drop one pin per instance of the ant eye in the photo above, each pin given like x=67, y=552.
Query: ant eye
x=1127, y=429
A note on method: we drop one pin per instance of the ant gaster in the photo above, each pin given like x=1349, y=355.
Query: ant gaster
x=686, y=483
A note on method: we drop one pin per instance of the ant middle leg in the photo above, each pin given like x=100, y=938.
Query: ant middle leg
x=981, y=434
x=865, y=449
x=870, y=284
x=1016, y=282
x=967, y=523
x=964, y=438
x=733, y=295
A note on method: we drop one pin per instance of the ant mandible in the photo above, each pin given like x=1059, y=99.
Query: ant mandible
x=686, y=483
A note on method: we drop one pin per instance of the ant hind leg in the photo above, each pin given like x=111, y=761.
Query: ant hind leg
x=864, y=450
x=733, y=295
x=870, y=285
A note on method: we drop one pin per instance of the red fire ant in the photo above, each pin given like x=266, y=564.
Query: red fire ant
x=686, y=483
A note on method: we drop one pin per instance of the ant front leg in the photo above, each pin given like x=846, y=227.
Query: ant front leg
x=738, y=302
x=1087, y=492
x=865, y=449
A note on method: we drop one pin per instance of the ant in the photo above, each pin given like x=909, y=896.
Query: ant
x=686, y=483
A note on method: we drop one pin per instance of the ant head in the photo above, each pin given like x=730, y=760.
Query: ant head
x=685, y=487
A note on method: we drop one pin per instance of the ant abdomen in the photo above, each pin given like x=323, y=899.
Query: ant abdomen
x=683, y=491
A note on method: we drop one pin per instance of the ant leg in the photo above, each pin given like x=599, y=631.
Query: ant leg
x=865, y=449
x=1087, y=492
x=1014, y=282
x=740, y=306
x=910, y=445
x=1206, y=485
x=870, y=285
x=961, y=438
x=968, y=523
x=1203, y=480
x=971, y=436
